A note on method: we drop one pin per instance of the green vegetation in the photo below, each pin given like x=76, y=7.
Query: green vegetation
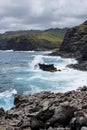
x=48, y=39
x=56, y=49
x=82, y=27
x=52, y=35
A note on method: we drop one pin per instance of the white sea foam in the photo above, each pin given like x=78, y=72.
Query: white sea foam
x=8, y=93
x=5, y=70
x=69, y=80
x=25, y=51
x=30, y=51
x=6, y=50
x=7, y=99
x=57, y=61
x=64, y=80
x=36, y=89
x=19, y=78
x=40, y=59
x=34, y=64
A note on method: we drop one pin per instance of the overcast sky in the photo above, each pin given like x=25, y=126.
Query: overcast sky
x=41, y=14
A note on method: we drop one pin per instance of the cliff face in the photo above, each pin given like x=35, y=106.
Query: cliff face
x=75, y=42
x=74, y=45
x=32, y=40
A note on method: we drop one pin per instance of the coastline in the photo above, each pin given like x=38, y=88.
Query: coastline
x=47, y=111
x=81, y=65
x=53, y=111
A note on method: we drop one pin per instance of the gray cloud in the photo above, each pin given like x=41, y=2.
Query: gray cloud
x=41, y=14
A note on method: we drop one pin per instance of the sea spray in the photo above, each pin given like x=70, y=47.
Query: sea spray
x=7, y=99
x=34, y=64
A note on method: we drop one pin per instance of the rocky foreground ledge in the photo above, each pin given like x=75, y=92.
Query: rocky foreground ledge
x=47, y=111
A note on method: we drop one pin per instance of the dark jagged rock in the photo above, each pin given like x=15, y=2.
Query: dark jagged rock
x=45, y=115
x=46, y=67
x=84, y=88
x=2, y=112
x=81, y=65
x=74, y=45
x=36, y=124
x=62, y=115
x=75, y=41
x=18, y=100
x=78, y=122
x=56, y=111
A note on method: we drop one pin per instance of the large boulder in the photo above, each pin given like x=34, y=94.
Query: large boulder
x=62, y=115
x=47, y=67
x=2, y=112
x=77, y=122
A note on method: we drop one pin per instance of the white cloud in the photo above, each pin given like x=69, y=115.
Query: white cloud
x=41, y=14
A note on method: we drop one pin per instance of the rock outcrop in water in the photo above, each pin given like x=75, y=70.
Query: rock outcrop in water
x=47, y=111
x=75, y=45
x=48, y=67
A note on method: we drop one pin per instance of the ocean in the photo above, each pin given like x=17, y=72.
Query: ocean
x=19, y=73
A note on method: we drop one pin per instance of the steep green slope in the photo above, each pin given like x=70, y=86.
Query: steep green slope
x=32, y=40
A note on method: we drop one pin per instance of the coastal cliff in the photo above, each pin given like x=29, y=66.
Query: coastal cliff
x=32, y=40
x=75, y=45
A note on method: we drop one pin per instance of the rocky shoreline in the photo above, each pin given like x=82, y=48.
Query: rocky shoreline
x=53, y=111
x=47, y=111
x=81, y=65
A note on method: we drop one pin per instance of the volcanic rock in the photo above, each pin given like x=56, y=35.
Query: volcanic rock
x=74, y=45
x=46, y=110
x=46, y=67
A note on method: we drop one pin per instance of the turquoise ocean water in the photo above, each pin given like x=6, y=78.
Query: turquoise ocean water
x=19, y=73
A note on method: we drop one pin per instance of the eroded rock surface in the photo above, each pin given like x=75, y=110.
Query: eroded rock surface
x=74, y=45
x=47, y=111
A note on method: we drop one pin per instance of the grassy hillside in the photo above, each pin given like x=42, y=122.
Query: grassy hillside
x=48, y=39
